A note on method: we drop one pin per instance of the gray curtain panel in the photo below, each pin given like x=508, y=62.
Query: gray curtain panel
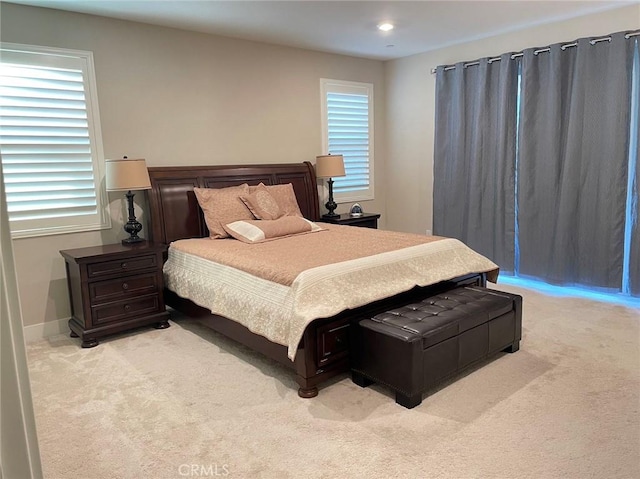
x=634, y=256
x=572, y=166
x=474, y=158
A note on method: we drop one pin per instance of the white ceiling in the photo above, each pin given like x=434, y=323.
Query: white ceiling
x=342, y=27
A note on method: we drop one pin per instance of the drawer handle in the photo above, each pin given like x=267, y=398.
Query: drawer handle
x=124, y=265
x=127, y=308
x=125, y=286
x=339, y=328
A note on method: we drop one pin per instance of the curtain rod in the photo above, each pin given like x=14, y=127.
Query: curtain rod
x=542, y=50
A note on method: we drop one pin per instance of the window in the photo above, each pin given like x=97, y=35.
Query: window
x=50, y=141
x=347, y=123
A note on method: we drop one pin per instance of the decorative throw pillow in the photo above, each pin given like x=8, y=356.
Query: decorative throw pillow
x=284, y=195
x=222, y=206
x=262, y=204
x=257, y=231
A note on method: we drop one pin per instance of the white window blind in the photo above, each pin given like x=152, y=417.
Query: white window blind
x=347, y=111
x=50, y=141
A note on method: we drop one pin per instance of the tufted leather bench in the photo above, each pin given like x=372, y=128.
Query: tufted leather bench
x=414, y=347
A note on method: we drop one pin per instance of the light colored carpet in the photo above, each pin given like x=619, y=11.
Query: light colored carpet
x=186, y=402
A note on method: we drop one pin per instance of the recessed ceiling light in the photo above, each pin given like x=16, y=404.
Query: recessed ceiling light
x=385, y=27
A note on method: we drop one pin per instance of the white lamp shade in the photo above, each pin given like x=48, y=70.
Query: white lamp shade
x=125, y=174
x=329, y=166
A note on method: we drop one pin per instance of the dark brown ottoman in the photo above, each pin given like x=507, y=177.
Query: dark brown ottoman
x=414, y=347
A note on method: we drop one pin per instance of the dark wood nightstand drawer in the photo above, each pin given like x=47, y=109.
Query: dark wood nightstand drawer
x=333, y=342
x=115, y=288
x=366, y=223
x=120, y=266
x=119, y=310
x=366, y=220
x=121, y=288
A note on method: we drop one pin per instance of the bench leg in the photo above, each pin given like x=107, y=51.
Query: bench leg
x=513, y=348
x=409, y=401
x=361, y=380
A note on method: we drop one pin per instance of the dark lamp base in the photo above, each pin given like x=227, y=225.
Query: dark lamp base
x=133, y=226
x=132, y=241
x=330, y=205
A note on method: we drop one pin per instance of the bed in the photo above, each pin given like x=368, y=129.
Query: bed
x=323, y=349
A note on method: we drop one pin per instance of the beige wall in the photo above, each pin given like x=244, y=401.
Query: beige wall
x=410, y=105
x=176, y=97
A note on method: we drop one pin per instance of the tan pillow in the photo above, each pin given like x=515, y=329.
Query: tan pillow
x=262, y=204
x=257, y=231
x=222, y=206
x=284, y=195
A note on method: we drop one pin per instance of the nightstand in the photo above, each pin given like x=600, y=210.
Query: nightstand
x=366, y=220
x=114, y=288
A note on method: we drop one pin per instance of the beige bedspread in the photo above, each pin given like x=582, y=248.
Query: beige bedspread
x=284, y=259
x=277, y=288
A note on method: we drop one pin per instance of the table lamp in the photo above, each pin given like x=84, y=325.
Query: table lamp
x=126, y=175
x=330, y=166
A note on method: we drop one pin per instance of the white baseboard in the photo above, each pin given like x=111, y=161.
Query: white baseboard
x=39, y=331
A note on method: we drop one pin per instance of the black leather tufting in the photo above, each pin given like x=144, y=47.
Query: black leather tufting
x=440, y=317
x=414, y=347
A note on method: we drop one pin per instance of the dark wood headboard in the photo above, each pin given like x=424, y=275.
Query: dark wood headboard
x=174, y=210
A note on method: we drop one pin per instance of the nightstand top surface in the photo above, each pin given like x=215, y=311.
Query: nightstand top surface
x=346, y=218
x=111, y=249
